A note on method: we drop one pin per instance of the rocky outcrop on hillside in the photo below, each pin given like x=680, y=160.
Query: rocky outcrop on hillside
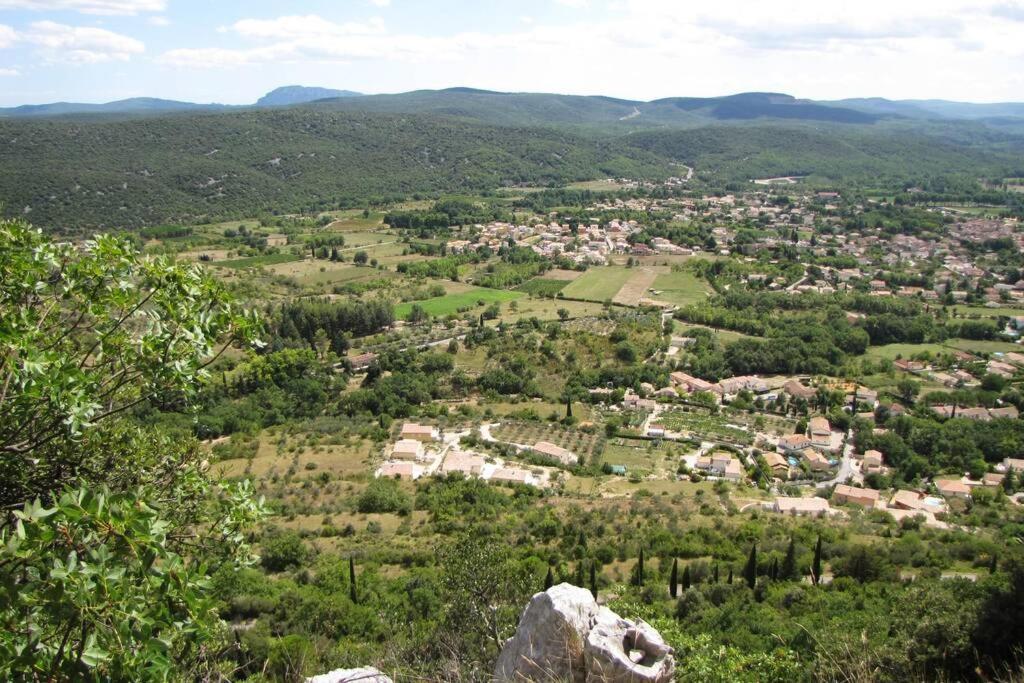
x=366, y=674
x=565, y=635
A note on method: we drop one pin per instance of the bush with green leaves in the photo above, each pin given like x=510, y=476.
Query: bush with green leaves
x=111, y=530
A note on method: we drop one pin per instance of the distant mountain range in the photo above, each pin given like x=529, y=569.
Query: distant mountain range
x=299, y=94
x=547, y=109
x=552, y=109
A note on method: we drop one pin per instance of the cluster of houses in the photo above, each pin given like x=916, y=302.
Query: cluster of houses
x=419, y=451
x=585, y=244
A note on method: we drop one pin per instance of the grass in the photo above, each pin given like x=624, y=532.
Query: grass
x=986, y=312
x=891, y=351
x=258, y=261
x=976, y=346
x=599, y=284
x=681, y=288
x=542, y=287
x=453, y=303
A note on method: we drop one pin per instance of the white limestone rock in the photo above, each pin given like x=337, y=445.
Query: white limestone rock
x=548, y=644
x=565, y=635
x=366, y=674
x=619, y=650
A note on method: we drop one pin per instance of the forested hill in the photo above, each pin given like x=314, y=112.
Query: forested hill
x=96, y=173
x=88, y=173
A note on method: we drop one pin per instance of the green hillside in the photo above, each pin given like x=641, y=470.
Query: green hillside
x=100, y=173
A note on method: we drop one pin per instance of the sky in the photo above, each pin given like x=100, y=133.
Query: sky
x=234, y=52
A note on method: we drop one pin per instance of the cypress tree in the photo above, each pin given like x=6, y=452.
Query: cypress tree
x=729, y=580
x=673, y=579
x=750, y=571
x=568, y=406
x=640, y=569
x=352, y=581
x=593, y=579
x=774, y=572
x=686, y=577
x=816, y=565
x=993, y=564
x=549, y=579
x=789, y=563
x=579, y=574
x=716, y=573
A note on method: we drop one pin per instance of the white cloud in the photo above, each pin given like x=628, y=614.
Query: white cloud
x=159, y=21
x=80, y=44
x=380, y=3
x=107, y=7
x=7, y=36
x=8, y=72
x=657, y=48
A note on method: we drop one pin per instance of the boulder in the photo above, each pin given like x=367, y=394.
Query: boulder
x=366, y=674
x=565, y=635
x=548, y=644
x=619, y=650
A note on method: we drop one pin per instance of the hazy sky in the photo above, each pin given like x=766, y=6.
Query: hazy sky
x=233, y=52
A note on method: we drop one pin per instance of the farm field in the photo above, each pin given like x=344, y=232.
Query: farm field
x=894, y=351
x=978, y=346
x=680, y=287
x=586, y=445
x=542, y=286
x=986, y=312
x=452, y=303
x=257, y=261
x=599, y=284
x=637, y=285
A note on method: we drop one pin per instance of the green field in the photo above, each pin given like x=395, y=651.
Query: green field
x=680, y=287
x=258, y=261
x=452, y=303
x=986, y=312
x=541, y=287
x=891, y=351
x=598, y=284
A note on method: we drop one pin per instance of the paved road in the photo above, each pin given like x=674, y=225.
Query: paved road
x=847, y=468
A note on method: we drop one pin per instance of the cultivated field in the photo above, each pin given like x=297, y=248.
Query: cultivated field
x=599, y=284
x=680, y=287
x=637, y=285
x=458, y=302
x=587, y=444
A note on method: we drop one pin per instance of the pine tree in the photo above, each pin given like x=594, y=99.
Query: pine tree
x=816, y=565
x=789, y=563
x=1008, y=481
x=593, y=579
x=686, y=578
x=549, y=579
x=750, y=571
x=673, y=579
x=352, y=593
